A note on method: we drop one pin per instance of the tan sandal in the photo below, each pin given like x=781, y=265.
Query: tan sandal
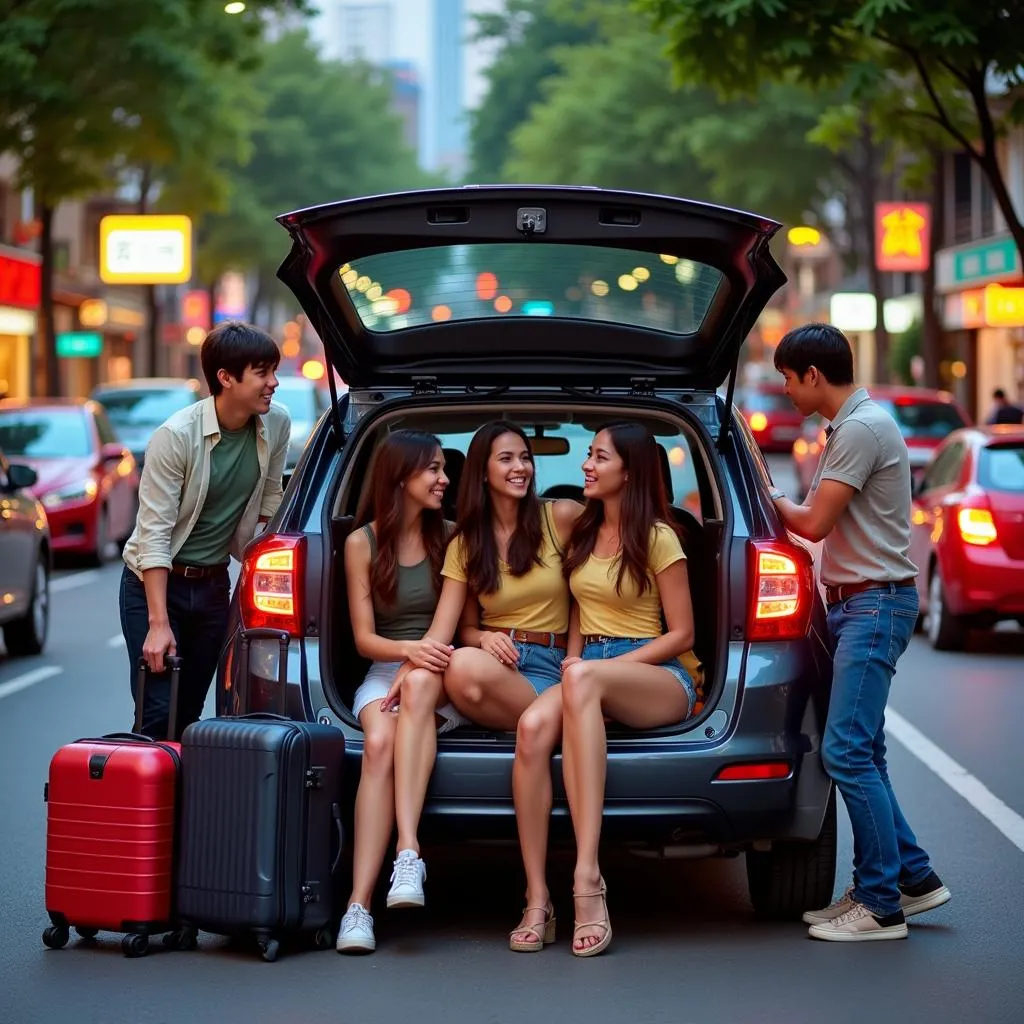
x=545, y=932
x=602, y=945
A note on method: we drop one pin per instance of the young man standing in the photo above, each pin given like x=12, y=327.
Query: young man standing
x=859, y=506
x=212, y=473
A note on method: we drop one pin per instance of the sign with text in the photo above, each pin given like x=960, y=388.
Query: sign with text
x=20, y=282
x=79, y=344
x=903, y=236
x=145, y=249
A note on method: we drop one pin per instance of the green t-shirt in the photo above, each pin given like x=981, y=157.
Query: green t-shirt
x=234, y=474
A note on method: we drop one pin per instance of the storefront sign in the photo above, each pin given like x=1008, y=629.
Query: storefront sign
x=195, y=308
x=994, y=260
x=1004, y=307
x=902, y=236
x=20, y=281
x=853, y=311
x=79, y=344
x=145, y=249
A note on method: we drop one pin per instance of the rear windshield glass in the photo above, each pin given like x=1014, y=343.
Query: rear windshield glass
x=1002, y=469
x=923, y=419
x=415, y=287
x=44, y=433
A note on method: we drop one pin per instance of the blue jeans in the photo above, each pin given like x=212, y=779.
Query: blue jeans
x=542, y=665
x=198, y=613
x=870, y=631
x=613, y=646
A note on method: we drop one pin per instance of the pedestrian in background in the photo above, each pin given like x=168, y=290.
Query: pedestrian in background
x=1003, y=410
x=859, y=506
x=212, y=473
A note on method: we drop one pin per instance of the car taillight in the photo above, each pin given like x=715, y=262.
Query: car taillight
x=758, y=421
x=270, y=594
x=976, y=526
x=781, y=591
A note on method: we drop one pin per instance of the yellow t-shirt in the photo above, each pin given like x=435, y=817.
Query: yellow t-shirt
x=538, y=600
x=606, y=612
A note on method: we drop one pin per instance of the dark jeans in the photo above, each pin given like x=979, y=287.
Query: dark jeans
x=198, y=613
x=871, y=630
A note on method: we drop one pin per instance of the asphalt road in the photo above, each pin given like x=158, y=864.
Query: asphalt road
x=686, y=947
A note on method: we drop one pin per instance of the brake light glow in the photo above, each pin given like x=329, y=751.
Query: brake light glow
x=976, y=526
x=782, y=589
x=758, y=421
x=271, y=583
x=755, y=772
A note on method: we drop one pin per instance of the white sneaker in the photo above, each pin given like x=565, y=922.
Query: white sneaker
x=835, y=909
x=858, y=924
x=356, y=932
x=407, y=880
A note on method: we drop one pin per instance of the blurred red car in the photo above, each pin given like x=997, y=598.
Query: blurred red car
x=771, y=416
x=925, y=418
x=88, y=481
x=968, y=534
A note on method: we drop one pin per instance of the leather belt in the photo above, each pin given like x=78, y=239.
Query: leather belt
x=840, y=592
x=198, y=572
x=531, y=636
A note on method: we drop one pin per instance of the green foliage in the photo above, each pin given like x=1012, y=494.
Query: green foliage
x=902, y=351
x=611, y=116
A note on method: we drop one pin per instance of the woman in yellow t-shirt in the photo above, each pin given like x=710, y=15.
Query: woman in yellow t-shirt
x=626, y=568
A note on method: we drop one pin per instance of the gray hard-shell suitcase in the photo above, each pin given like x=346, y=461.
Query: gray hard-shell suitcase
x=261, y=831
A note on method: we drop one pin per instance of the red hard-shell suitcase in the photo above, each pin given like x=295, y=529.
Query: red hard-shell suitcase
x=110, y=835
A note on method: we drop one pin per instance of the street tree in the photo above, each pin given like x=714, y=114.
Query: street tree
x=965, y=59
x=84, y=83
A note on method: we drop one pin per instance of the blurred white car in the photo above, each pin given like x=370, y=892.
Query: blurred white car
x=306, y=401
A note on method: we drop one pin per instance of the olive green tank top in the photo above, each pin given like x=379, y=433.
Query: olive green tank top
x=416, y=596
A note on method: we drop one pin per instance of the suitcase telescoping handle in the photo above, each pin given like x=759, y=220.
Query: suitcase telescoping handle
x=283, y=639
x=174, y=664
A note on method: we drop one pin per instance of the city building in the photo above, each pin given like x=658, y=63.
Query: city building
x=407, y=99
x=449, y=124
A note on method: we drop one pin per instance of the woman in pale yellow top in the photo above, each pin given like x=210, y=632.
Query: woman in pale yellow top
x=626, y=568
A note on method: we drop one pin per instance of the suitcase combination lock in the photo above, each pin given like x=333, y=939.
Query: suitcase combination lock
x=315, y=777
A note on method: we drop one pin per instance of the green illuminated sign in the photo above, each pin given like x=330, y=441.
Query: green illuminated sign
x=79, y=344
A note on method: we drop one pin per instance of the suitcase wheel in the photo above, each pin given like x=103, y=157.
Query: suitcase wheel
x=135, y=945
x=269, y=949
x=183, y=939
x=87, y=933
x=56, y=937
x=324, y=939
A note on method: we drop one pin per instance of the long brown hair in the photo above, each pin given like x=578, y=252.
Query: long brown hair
x=644, y=503
x=400, y=455
x=476, y=515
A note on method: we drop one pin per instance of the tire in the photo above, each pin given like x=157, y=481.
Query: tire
x=56, y=937
x=100, y=555
x=134, y=946
x=794, y=877
x=27, y=636
x=945, y=631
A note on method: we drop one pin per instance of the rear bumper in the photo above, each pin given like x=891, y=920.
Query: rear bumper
x=661, y=788
x=985, y=581
x=73, y=527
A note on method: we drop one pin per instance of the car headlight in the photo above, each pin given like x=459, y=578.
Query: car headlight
x=81, y=491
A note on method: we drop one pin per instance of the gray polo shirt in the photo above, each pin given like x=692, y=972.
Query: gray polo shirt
x=871, y=539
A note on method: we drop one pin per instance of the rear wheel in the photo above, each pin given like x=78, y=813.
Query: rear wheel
x=27, y=635
x=102, y=552
x=793, y=877
x=946, y=631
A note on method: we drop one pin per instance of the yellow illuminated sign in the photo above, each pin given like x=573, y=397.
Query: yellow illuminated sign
x=145, y=249
x=1004, y=307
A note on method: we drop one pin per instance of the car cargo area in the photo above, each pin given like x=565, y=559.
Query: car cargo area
x=559, y=439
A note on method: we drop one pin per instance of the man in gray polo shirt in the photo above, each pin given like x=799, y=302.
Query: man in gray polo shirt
x=859, y=506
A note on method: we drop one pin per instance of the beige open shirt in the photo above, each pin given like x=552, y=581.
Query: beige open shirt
x=176, y=476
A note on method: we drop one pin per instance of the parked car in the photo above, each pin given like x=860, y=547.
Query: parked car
x=968, y=534
x=744, y=775
x=138, y=406
x=925, y=418
x=24, y=561
x=306, y=401
x=88, y=480
x=771, y=416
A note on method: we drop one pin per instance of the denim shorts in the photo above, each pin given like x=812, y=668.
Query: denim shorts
x=541, y=664
x=376, y=683
x=612, y=647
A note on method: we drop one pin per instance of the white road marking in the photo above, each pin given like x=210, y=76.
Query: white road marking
x=958, y=778
x=76, y=579
x=116, y=641
x=23, y=682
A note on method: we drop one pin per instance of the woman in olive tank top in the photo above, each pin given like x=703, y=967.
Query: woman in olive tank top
x=392, y=568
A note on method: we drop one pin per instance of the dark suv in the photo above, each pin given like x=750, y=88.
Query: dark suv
x=559, y=309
